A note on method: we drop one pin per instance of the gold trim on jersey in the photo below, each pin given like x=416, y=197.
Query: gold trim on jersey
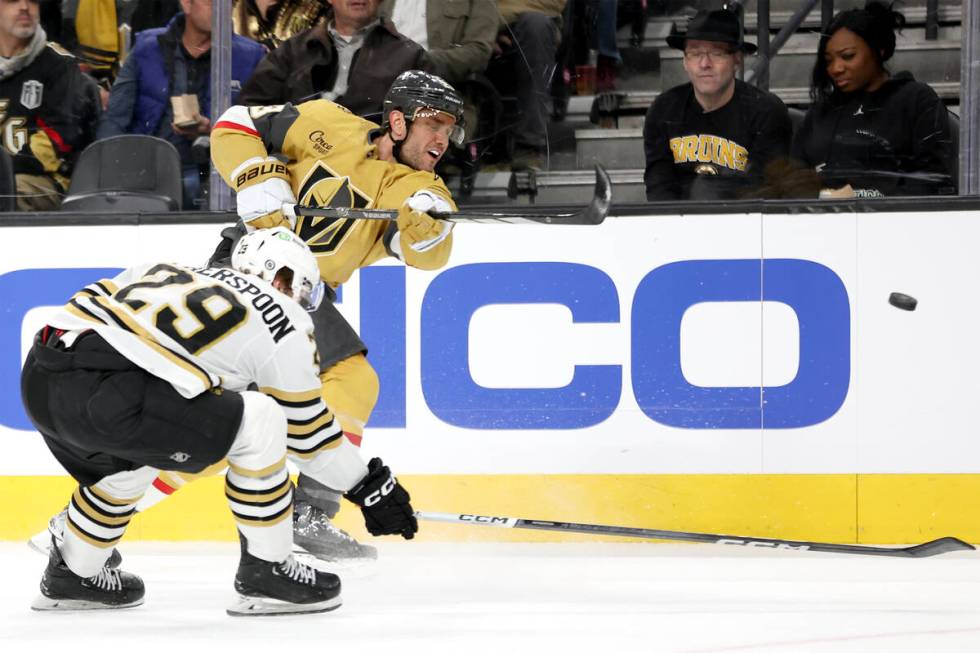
x=301, y=430
x=289, y=397
x=126, y=322
x=258, y=473
x=81, y=312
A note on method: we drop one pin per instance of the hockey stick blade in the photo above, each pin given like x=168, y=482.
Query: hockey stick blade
x=593, y=214
x=925, y=550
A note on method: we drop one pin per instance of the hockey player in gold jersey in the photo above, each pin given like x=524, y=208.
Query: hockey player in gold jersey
x=320, y=154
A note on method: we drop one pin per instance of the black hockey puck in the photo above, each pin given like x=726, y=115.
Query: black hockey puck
x=902, y=301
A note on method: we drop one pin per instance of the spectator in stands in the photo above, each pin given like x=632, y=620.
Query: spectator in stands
x=458, y=36
x=880, y=134
x=528, y=45
x=48, y=107
x=714, y=136
x=174, y=62
x=271, y=22
x=90, y=29
x=352, y=58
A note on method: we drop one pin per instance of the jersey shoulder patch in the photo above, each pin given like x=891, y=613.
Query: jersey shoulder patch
x=60, y=50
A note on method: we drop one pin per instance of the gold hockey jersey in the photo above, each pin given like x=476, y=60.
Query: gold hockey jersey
x=326, y=154
x=202, y=329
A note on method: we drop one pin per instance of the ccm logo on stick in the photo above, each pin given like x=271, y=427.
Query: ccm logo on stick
x=483, y=519
x=764, y=545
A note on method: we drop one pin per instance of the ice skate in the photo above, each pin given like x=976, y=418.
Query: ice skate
x=289, y=587
x=41, y=542
x=315, y=534
x=63, y=589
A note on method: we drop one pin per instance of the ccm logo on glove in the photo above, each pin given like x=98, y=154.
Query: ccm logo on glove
x=384, y=491
x=384, y=503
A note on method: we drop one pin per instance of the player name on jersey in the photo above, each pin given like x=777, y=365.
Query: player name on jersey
x=272, y=312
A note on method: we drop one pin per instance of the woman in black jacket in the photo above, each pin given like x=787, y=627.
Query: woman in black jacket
x=883, y=134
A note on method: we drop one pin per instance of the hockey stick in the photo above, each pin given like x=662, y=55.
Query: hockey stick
x=593, y=214
x=931, y=548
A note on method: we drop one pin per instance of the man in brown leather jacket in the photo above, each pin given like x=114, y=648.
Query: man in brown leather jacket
x=351, y=58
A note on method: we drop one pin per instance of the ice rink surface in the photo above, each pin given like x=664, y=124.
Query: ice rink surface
x=511, y=598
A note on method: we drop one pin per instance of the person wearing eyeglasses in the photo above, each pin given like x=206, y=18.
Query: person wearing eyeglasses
x=712, y=137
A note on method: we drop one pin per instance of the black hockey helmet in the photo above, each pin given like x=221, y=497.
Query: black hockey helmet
x=415, y=90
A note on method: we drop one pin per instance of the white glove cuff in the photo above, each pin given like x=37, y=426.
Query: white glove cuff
x=263, y=198
x=426, y=201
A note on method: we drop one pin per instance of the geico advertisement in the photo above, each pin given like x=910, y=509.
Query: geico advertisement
x=688, y=344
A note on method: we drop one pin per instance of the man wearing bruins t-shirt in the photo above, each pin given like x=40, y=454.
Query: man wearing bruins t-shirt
x=712, y=137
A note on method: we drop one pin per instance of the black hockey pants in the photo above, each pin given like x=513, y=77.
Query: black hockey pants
x=100, y=414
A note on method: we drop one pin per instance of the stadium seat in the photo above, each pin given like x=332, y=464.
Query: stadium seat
x=126, y=173
x=8, y=185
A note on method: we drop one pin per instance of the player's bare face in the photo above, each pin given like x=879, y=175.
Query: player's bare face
x=711, y=66
x=427, y=140
x=19, y=18
x=851, y=64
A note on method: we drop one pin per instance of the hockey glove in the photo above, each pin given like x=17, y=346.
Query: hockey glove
x=263, y=190
x=415, y=223
x=384, y=502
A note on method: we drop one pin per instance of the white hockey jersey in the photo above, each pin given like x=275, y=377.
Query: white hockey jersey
x=206, y=328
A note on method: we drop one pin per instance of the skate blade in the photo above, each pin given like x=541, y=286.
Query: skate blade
x=41, y=543
x=45, y=604
x=255, y=606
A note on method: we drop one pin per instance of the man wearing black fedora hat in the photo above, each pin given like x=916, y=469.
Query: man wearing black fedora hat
x=712, y=137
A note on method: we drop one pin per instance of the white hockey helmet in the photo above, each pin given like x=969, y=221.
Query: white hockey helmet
x=265, y=252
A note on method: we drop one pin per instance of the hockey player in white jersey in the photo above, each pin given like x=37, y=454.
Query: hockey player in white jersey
x=150, y=371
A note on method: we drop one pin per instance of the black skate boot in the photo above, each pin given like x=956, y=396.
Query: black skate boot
x=289, y=587
x=314, y=533
x=41, y=542
x=63, y=589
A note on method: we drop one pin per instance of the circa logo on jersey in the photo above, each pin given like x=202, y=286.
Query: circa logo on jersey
x=31, y=94
x=320, y=144
x=707, y=148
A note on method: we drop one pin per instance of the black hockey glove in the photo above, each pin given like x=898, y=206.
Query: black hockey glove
x=384, y=502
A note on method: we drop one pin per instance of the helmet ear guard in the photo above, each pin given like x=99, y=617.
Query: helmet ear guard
x=264, y=253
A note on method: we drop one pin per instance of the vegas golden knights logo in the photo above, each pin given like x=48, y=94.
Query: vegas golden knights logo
x=31, y=94
x=323, y=188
